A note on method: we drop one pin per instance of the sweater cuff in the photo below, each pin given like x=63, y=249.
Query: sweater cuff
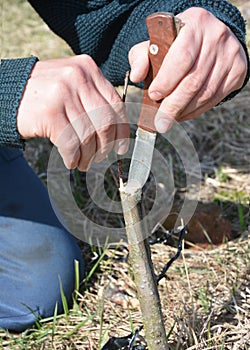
x=14, y=74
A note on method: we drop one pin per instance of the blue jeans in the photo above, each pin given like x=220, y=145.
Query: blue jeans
x=36, y=252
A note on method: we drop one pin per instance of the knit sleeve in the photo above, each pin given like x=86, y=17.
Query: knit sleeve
x=14, y=74
x=134, y=30
x=107, y=29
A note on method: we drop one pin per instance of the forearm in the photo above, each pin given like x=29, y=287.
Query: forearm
x=14, y=74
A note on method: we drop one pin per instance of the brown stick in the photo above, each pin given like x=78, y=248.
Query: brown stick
x=143, y=271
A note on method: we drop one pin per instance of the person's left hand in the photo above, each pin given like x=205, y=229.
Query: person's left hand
x=69, y=101
x=205, y=63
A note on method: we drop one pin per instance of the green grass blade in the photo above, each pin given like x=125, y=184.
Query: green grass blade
x=63, y=297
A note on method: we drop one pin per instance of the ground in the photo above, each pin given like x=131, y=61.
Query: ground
x=206, y=295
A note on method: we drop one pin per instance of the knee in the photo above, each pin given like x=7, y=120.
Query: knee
x=44, y=267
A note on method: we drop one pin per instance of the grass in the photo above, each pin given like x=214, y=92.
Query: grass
x=205, y=305
x=206, y=295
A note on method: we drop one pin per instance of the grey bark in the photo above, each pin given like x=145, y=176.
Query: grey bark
x=143, y=271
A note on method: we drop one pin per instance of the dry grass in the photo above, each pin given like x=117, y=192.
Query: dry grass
x=206, y=295
x=205, y=298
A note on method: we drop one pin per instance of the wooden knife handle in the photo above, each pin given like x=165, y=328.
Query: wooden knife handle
x=162, y=32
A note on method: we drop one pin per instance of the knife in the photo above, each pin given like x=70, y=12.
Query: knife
x=162, y=29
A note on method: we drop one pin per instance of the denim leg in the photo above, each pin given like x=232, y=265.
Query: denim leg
x=22, y=194
x=36, y=252
x=33, y=259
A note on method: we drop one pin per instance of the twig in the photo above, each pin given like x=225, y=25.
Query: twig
x=176, y=256
x=113, y=176
x=125, y=88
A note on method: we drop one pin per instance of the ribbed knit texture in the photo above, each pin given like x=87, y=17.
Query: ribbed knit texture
x=13, y=78
x=107, y=29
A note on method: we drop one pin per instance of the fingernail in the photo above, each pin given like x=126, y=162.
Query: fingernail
x=163, y=125
x=121, y=146
x=156, y=95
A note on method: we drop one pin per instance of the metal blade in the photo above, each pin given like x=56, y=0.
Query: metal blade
x=142, y=158
x=162, y=31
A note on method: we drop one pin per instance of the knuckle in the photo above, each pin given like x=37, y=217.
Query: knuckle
x=87, y=59
x=194, y=85
x=203, y=13
x=114, y=97
x=186, y=52
x=208, y=93
x=88, y=139
x=173, y=110
x=241, y=76
x=222, y=31
x=106, y=134
x=70, y=156
x=120, y=111
x=239, y=72
x=58, y=88
x=71, y=72
x=71, y=148
x=75, y=71
x=105, y=129
x=88, y=64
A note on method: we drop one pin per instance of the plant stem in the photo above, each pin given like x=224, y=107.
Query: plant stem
x=142, y=270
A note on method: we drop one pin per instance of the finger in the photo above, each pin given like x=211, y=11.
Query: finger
x=209, y=95
x=75, y=132
x=112, y=132
x=205, y=107
x=222, y=80
x=174, y=105
x=122, y=140
x=77, y=143
x=107, y=119
x=228, y=84
x=63, y=135
x=98, y=98
x=86, y=134
x=122, y=129
x=105, y=137
x=139, y=61
x=87, y=152
x=68, y=146
x=103, y=123
x=178, y=62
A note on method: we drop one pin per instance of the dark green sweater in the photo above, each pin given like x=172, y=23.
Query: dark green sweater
x=104, y=29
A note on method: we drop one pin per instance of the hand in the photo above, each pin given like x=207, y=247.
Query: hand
x=205, y=63
x=69, y=101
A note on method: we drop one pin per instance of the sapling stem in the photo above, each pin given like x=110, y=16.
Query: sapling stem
x=142, y=269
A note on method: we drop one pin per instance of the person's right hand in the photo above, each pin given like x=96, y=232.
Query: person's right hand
x=204, y=65
x=69, y=101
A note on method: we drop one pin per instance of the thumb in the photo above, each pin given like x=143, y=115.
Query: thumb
x=139, y=61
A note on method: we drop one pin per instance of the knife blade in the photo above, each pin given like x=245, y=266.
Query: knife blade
x=163, y=28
